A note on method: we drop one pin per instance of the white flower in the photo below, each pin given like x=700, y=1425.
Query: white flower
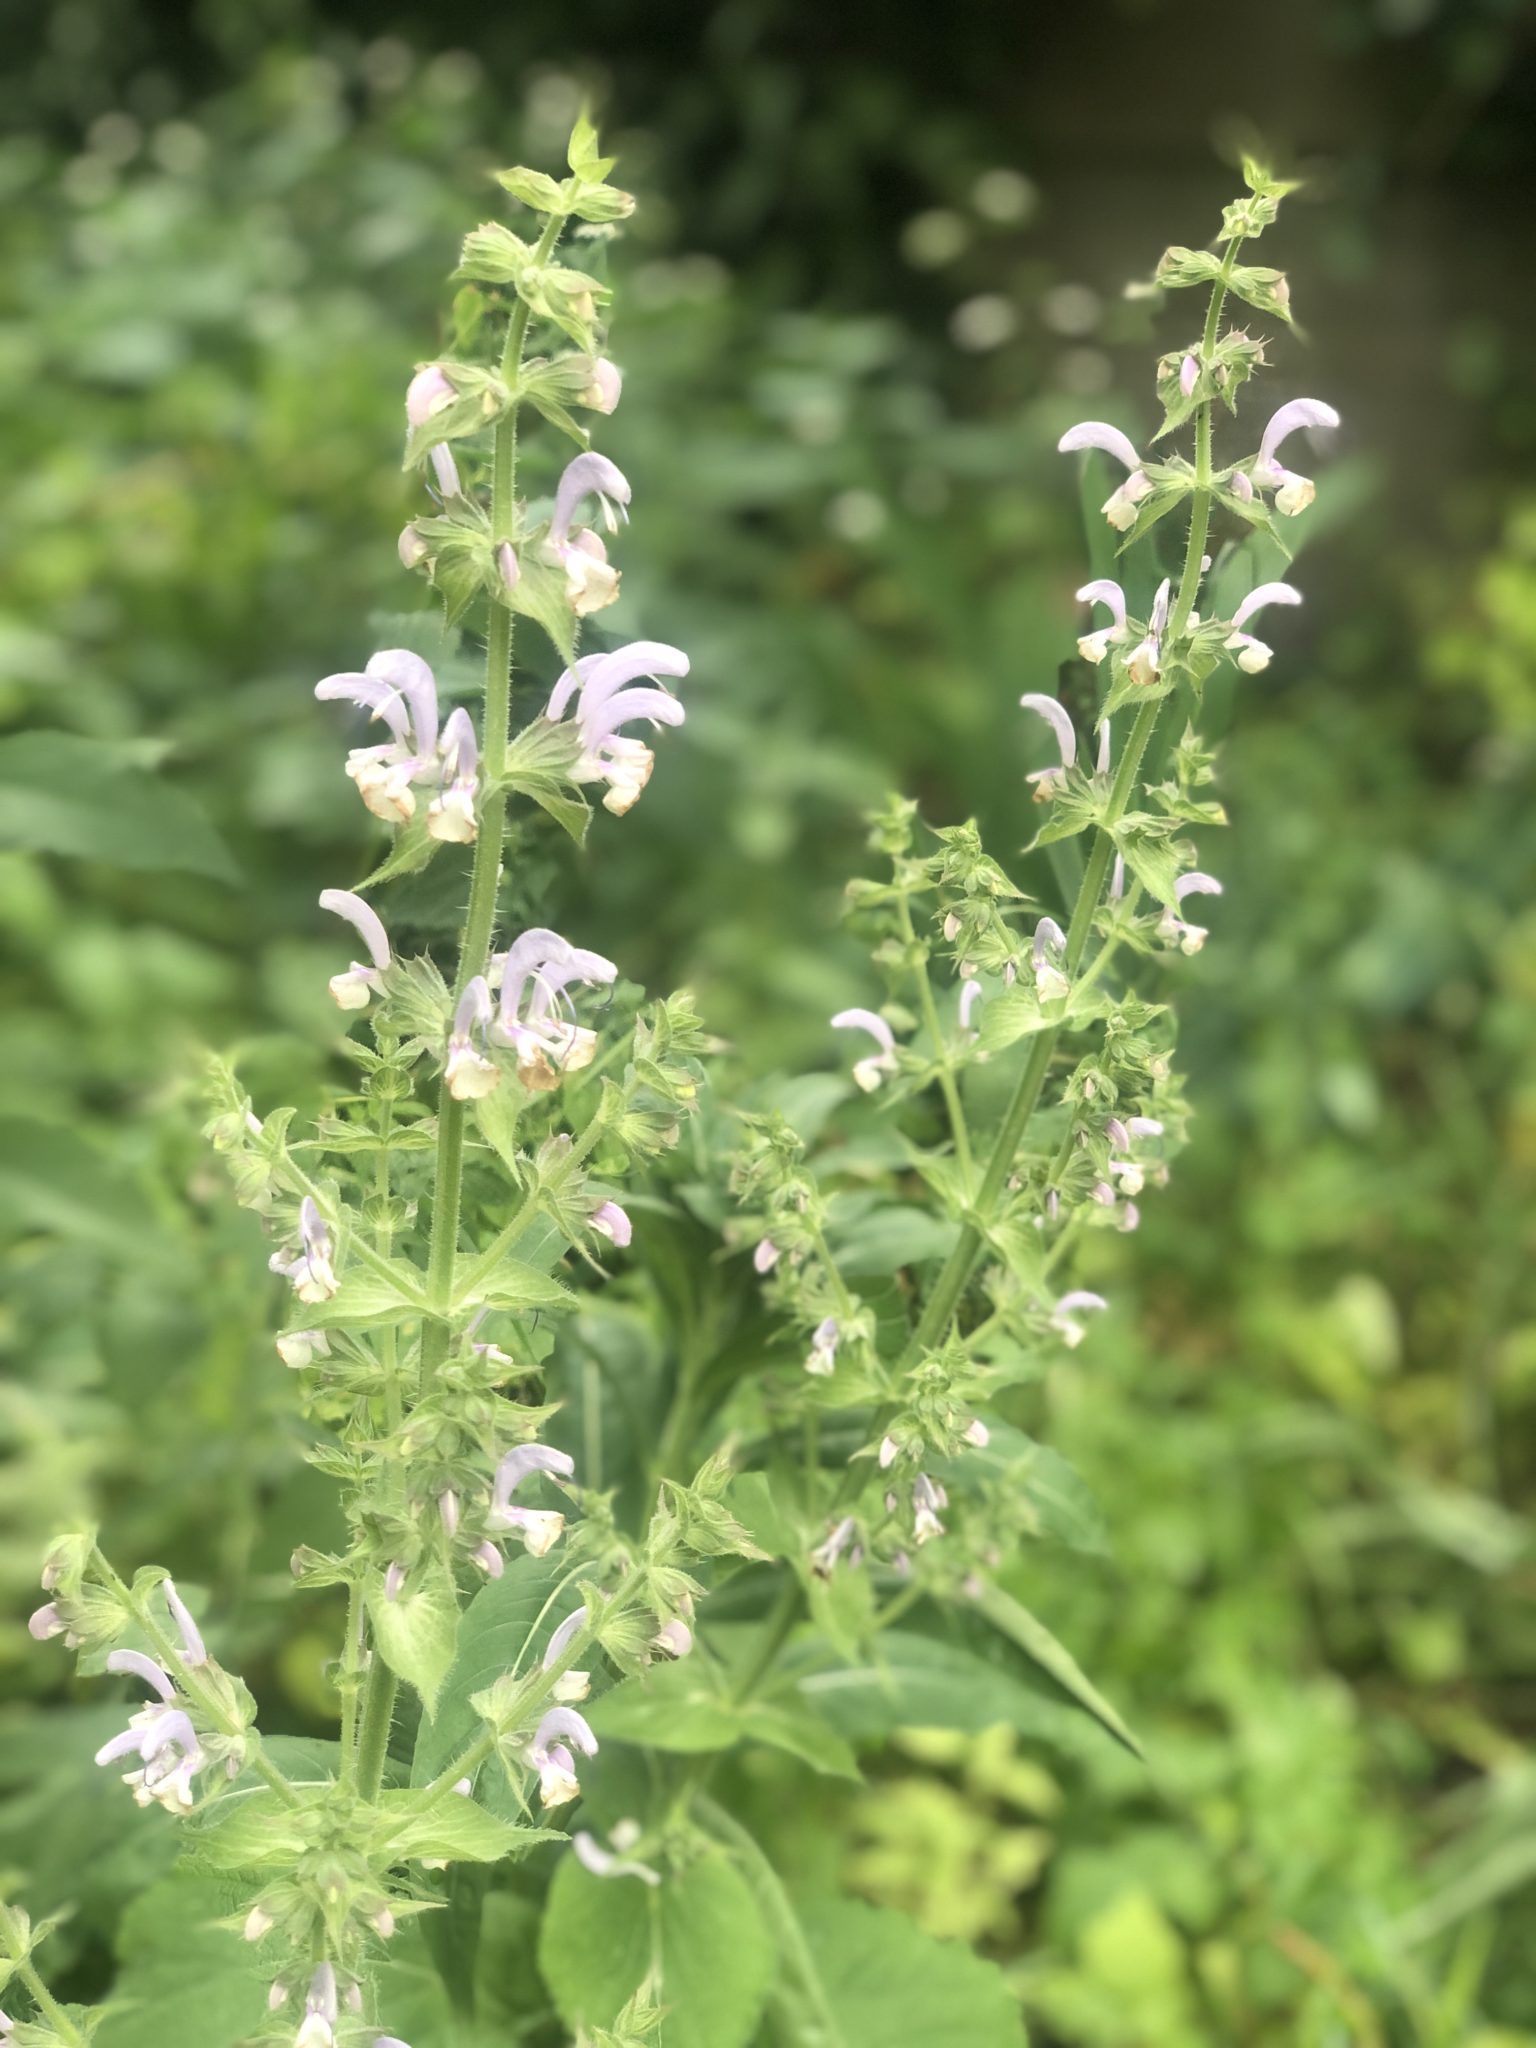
x=970, y=995
x=765, y=1255
x=551, y=1757
x=612, y=1222
x=1252, y=655
x=604, y=705
x=536, y=973
x=822, y=1357
x=309, y=1268
x=928, y=1496
x=350, y=991
x=603, y=391
x=1293, y=493
x=1105, y=591
x=467, y=1072
x=591, y=1855
x=825, y=1556
x=1120, y=507
x=160, y=1735
x=1063, y=1316
x=1144, y=662
x=298, y=1348
x=451, y=813
x=1048, y=780
x=1049, y=947
x=872, y=1069
x=590, y=583
x=399, y=688
x=1172, y=927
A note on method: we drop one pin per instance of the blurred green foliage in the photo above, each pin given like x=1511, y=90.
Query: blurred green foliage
x=1310, y=1420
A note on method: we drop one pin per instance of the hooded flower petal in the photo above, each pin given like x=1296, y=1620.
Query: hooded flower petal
x=612, y=1222
x=1098, y=434
x=1059, y=720
x=589, y=475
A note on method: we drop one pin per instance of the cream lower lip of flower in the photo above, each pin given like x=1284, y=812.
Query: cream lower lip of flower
x=1120, y=507
x=604, y=705
x=539, y=1528
x=1056, y=716
x=467, y=1072
x=1144, y=662
x=1094, y=646
x=1252, y=654
x=591, y=583
x=872, y=1069
x=398, y=687
x=310, y=1268
x=1293, y=493
x=352, y=989
x=451, y=813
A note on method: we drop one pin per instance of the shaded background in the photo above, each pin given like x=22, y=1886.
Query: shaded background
x=876, y=269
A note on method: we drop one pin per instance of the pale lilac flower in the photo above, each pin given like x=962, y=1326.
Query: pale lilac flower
x=508, y=567
x=824, y=1557
x=612, y=1222
x=193, y=1649
x=258, y=1924
x=1105, y=591
x=603, y=391
x=1189, y=376
x=872, y=1069
x=489, y=1559
x=318, y=2028
x=298, y=1348
x=1130, y=1216
x=970, y=994
x=1049, y=947
x=888, y=1453
x=822, y=1356
x=928, y=1497
x=539, y=1528
x=591, y=1855
x=674, y=1639
x=1117, y=879
x=383, y=1923
x=1252, y=654
x=1144, y=662
x=428, y=392
x=412, y=548
x=1120, y=507
x=550, y=1754
x=277, y=1995
x=1101, y=764
x=46, y=1623
x=591, y=583
x=571, y=1685
x=451, y=813
x=448, y=1512
x=389, y=2041
x=766, y=1255
x=535, y=973
x=1064, y=1313
x=1172, y=927
x=309, y=1269
x=1242, y=485
x=1048, y=780
x=1293, y=493
x=467, y=1072
x=976, y=1434
x=394, y=1580
x=605, y=704
x=398, y=687
x=350, y=991
x=160, y=1735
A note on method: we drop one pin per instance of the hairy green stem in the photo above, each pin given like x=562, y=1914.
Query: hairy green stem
x=958, y=1127
x=48, y=2005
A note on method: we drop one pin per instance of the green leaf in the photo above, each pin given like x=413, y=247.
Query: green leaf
x=801, y=1734
x=412, y=849
x=95, y=800
x=55, y=1181
x=539, y=594
x=886, y=1982
x=672, y=1707
x=368, y=1296
x=582, y=151
x=1036, y=1641
x=892, y=1237
x=511, y=1285
x=411, y=1825
x=701, y=1931
x=504, y=1625
x=184, y=1982
x=534, y=188
x=1041, y=1479
x=252, y=1830
x=417, y=1633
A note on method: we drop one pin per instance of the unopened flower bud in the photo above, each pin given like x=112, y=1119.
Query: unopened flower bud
x=258, y=1922
x=508, y=566
x=413, y=548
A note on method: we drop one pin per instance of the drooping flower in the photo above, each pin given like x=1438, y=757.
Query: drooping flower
x=928, y=1497
x=1048, y=780
x=561, y=1729
x=398, y=687
x=536, y=971
x=1293, y=493
x=1172, y=927
x=428, y=392
x=970, y=995
x=412, y=548
x=870, y=1071
x=1106, y=591
x=193, y=1649
x=318, y=2026
x=604, y=705
x=825, y=1556
x=350, y=991
x=451, y=813
x=976, y=1434
x=1189, y=376
x=1144, y=662
x=765, y=1255
x=1064, y=1313
x=1252, y=655
x=591, y=583
x=674, y=1638
x=603, y=391
x=1120, y=507
x=161, y=1735
x=309, y=1268
x=298, y=1348
x=539, y=1528
x=1049, y=948
x=825, y=1338
x=46, y=1623
x=467, y=1072
x=591, y=1855
x=612, y=1222
x=571, y=1685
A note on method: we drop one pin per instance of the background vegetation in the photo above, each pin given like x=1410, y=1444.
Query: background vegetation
x=876, y=270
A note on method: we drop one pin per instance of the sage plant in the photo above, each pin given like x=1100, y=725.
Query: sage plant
x=856, y=1488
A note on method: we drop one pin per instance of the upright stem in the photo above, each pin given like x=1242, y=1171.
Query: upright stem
x=48, y=2006
x=957, y=1124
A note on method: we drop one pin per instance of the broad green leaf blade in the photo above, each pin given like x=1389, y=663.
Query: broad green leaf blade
x=53, y=1180
x=701, y=1931
x=185, y=1983
x=63, y=793
x=672, y=1707
x=887, y=1984
x=1036, y=1641
x=801, y=1734
x=457, y=1829
x=416, y=1634
x=505, y=1624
